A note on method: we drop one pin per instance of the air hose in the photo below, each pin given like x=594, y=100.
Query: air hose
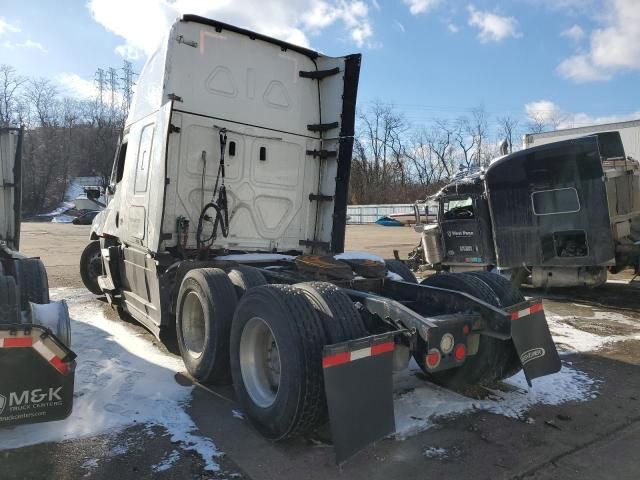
x=220, y=205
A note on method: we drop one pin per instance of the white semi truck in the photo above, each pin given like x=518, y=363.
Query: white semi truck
x=36, y=363
x=225, y=226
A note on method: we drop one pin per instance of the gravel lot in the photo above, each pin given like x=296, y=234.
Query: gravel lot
x=581, y=423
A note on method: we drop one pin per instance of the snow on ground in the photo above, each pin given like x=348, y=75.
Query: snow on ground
x=122, y=379
x=418, y=404
x=570, y=338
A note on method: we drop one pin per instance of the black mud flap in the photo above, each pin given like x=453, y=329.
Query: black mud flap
x=36, y=376
x=359, y=388
x=532, y=339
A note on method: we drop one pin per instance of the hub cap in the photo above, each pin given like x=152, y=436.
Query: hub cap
x=260, y=362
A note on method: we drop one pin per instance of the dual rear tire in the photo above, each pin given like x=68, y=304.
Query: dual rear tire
x=269, y=342
x=495, y=359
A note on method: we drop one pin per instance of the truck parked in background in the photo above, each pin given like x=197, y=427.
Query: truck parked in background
x=563, y=213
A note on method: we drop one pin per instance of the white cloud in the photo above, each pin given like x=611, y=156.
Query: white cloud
x=400, y=26
x=493, y=27
x=6, y=27
x=289, y=20
x=551, y=114
x=77, y=86
x=544, y=111
x=25, y=44
x=417, y=7
x=73, y=85
x=376, y=5
x=453, y=28
x=613, y=48
x=575, y=33
x=580, y=68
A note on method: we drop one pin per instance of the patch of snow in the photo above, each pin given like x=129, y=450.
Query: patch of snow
x=257, y=257
x=237, y=414
x=573, y=339
x=121, y=379
x=394, y=276
x=435, y=452
x=90, y=464
x=167, y=462
x=418, y=404
x=359, y=256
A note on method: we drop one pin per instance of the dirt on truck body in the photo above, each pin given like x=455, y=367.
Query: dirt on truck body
x=226, y=223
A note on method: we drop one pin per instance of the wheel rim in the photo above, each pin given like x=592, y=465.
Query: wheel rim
x=94, y=265
x=193, y=325
x=260, y=362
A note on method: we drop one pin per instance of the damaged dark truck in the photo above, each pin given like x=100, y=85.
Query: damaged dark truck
x=226, y=223
x=36, y=364
x=562, y=214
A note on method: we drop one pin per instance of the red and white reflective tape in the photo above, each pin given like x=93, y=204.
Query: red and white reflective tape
x=346, y=357
x=527, y=311
x=39, y=346
x=16, y=342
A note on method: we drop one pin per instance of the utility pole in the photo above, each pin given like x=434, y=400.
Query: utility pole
x=127, y=84
x=113, y=86
x=100, y=83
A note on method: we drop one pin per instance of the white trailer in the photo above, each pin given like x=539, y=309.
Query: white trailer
x=629, y=133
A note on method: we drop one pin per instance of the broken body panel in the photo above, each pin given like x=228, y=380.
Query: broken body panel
x=565, y=210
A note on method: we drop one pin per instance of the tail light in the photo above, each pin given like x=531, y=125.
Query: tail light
x=433, y=358
x=460, y=352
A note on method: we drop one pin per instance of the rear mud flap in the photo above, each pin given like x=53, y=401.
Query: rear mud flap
x=36, y=376
x=532, y=339
x=359, y=388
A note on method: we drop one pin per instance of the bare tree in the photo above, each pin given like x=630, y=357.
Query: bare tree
x=508, y=125
x=479, y=130
x=10, y=83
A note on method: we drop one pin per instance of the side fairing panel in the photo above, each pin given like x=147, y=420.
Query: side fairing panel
x=549, y=206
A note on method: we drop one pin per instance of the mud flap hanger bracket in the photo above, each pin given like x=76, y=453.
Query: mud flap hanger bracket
x=495, y=322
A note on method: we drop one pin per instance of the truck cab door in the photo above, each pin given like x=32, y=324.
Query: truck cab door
x=141, y=214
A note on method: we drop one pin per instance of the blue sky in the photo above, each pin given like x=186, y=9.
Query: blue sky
x=578, y=60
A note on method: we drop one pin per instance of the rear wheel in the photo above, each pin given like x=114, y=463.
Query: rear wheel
x=340, y=319
x=399, y=268
x=205, y=307
x=9, y=300
x=490, y=362
x=32, y=279
x=276, y=360
x=244, y=278
x=91, y=267
x=508, y=295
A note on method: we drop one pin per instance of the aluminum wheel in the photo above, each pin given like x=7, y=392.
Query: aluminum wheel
x=260, y=362
x=193, y=324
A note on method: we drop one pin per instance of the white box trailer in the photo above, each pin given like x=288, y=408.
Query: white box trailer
x=629, y=133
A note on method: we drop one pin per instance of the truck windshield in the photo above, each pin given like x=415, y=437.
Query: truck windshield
x=457, y=208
